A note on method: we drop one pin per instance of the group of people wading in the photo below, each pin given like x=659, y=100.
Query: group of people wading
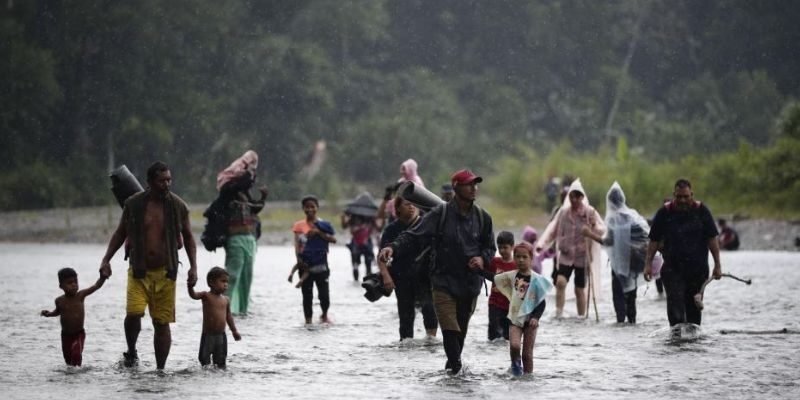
x=437, y=260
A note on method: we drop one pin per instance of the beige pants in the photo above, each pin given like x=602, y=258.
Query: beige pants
x=453, y=313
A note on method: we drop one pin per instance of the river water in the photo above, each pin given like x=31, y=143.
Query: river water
x=739, y=353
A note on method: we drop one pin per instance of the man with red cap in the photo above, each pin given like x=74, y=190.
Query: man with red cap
x=461, y=237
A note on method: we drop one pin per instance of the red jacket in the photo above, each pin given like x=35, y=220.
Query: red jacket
x=499, y=266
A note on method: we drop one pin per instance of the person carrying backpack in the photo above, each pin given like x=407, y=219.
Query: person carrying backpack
x=402, y=275
x=460, y=233
x=233, y=223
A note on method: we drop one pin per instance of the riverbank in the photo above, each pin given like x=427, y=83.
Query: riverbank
x=95, y=225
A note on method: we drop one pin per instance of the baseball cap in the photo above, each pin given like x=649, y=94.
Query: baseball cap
x=465, y=176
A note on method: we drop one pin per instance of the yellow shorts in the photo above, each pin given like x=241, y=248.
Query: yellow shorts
x=155, y=292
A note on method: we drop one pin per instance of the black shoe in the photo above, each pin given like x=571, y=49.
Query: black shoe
x=131, y=359
x=355, y=274
x=453, y=367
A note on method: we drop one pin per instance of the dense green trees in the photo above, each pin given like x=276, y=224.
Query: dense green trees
x=89, y=84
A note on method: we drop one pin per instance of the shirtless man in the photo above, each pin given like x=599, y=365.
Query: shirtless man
x=156, y=224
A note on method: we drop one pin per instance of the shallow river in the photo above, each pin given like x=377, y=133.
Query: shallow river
x=740, y=352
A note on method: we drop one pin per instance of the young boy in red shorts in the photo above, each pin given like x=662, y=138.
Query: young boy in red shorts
x=70, y=308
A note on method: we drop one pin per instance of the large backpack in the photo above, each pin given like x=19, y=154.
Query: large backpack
x=215, y=230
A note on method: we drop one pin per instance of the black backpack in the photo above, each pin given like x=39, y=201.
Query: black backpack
x=215, y=230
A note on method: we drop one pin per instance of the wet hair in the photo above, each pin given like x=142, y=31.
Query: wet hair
x=524, y=246
x=66, y=273
x=682, y=183
x=309, y=197
x=505, y=237
x=155, y=168
x=398, y=202
x=215, y=273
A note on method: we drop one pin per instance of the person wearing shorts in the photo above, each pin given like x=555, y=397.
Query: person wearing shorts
x=155, y=224
x=580, y=274
x=573, y=251
x=155, y=293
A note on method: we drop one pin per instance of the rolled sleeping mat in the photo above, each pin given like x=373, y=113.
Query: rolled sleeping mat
x=124, y=184
x=418, y=196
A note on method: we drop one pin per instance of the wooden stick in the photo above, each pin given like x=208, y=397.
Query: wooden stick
x=747, y=281
x=698, y=298
x=591, y=281
x=594, y=301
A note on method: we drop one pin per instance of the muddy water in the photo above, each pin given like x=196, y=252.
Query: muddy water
x=739, y=352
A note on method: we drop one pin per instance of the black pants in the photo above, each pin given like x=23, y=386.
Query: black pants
x=624, y=302
x=213, y=344
x=498, y=323
x=321, y=279
x=659, y=286
x=408, y=292
x=681, y=284
x=356, y=252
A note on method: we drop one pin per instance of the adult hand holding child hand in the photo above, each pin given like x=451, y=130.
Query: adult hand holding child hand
x=476, y=262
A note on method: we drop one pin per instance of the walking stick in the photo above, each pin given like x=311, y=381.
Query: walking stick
x=698, y=298
x=591, y=281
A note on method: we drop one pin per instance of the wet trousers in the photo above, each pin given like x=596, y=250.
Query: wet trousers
x=624, y=302
x=498, y=323
x=240, y=252
x=321, y=280
x=453, y=314
x=681, y=284
x=406, y=293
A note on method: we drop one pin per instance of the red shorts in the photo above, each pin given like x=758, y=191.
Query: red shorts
x=72, y=346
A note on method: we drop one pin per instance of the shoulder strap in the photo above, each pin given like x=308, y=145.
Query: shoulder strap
x=442, y=217
x=480, y=217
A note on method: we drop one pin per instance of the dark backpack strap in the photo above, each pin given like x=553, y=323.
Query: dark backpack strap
x=480, y=218
x=442, y=218
x=481, y=225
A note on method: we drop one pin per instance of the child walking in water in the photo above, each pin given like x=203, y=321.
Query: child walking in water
x=70, y=308
x=498, y=303
x=216, y=313
x=312, y=236
x=525, y=290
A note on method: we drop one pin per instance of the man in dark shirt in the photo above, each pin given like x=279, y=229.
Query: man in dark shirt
x=464, y=242
x=403, y=275
x=688, y=232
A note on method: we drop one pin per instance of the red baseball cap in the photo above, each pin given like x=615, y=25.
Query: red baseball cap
x=465, y=176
